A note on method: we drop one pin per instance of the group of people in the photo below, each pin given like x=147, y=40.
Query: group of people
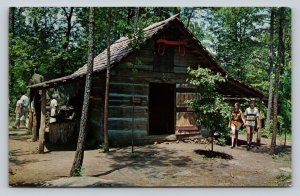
x=249, y=119
x=22, y=111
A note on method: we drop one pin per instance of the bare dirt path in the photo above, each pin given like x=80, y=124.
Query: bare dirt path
x=164, y=164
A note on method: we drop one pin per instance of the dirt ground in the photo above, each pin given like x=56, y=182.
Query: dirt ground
x=162, y=164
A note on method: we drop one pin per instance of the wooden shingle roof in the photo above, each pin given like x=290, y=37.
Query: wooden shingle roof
x=120, y=49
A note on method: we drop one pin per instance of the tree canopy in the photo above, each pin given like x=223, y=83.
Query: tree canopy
x=55, y=39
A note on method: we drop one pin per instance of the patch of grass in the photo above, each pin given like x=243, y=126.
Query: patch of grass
x=287, y=158
x=11, y=120
x=284, y=179
x=288, y=136
x=80, y=171
x=277, y=155
x=102, y=148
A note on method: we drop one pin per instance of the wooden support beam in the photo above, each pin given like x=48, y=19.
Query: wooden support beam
x=30, y=116
x=34, y=118
x=34, y=127
x=43, y=123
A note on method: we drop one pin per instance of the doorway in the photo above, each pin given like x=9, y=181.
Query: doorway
x=161, y=108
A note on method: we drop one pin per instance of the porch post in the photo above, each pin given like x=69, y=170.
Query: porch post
x=34, y=119
x=43, y=122
x=30, y=112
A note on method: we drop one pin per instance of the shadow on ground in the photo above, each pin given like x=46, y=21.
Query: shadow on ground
x=148, y=158
x=213, y=154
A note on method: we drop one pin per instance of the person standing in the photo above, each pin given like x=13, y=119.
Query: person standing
x=236, y=123
x=54, y=109
x=25, y=104
x=18, y=112
x=252, y=122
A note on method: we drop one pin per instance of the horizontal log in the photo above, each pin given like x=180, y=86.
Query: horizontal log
x=179, y=69
x=127, y=125
x=114, y=119
x=127, y=88
x=150, y=76
x=127, y=112
x=129, y=107
x=128, y=79
x=144, y=66
x=129, y=83
x=125, y=134
x=111, y=95
x=128, y=101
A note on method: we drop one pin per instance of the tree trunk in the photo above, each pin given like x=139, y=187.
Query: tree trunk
x=271, y=55
x=136, y=21
x=63, y=62
x=12, y=13
x=69, y=26
x=279, y=65
x=106, y=143
x=189, y=17
x=129, y=15
x=78, y=160
x=259, y=123
x=12, y=19
x=43, y=123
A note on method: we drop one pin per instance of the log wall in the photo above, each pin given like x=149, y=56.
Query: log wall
x=129, y=92
x=128, y=106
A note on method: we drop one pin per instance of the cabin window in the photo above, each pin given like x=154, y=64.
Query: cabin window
x=164, y=62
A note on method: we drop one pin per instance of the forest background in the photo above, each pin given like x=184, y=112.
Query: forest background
x=244, y=40
x=295, y=94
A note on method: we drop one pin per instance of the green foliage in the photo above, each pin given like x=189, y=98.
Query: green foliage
x=222, y=141
x=284, y=179
x=79, y=172
x=102, y=148
x=211, y=110
x=136, y=39
x=277, y=155
x=237, y=37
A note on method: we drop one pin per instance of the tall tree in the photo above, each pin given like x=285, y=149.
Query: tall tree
x=278, y=67
x=12, y=16
x=78, y=160
x=238, y=43
x=68, y=13
x=271, y=56
x=106, y=142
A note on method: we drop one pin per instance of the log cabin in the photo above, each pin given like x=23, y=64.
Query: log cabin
x=148, y=102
